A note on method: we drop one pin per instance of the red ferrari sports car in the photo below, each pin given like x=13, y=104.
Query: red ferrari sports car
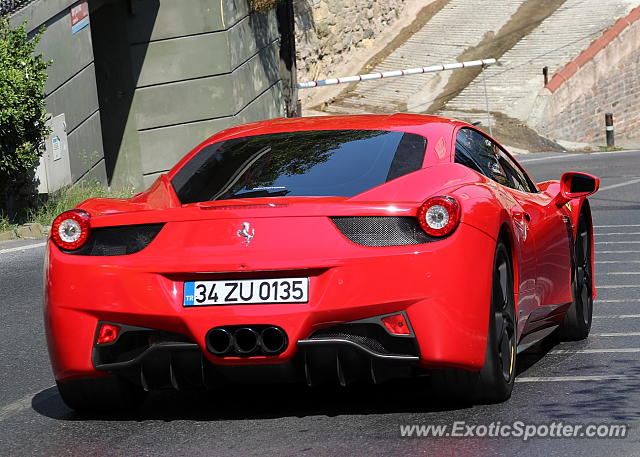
x=329, y=249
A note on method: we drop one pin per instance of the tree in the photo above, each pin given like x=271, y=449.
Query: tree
x=22, y=118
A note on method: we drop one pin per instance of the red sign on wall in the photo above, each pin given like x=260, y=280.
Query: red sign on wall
x=79, y=17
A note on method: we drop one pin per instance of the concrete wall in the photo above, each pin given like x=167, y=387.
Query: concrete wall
x=333, y=35
x=148, y=80
x=198, y=70
x=604, y=78
x=71, y=86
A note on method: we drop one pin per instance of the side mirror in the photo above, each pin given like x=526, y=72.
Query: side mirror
x=576, y=185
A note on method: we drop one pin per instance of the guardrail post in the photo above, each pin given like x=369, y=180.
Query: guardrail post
x=608, y=119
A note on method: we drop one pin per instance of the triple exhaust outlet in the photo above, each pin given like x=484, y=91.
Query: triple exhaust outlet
x=246, y=341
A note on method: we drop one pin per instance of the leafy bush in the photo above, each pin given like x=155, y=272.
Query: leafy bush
x=68, y=197
x=262, y=5
x=22, y=118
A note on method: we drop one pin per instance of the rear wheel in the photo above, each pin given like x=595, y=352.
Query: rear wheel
x=101, y=394
x=494, y=382
x=577, y=321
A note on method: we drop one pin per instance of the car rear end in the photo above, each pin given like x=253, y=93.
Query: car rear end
x=275, y=266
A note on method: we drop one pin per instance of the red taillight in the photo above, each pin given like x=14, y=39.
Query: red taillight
x=396, y=324
x=107, y=333
x=70, y=230
x=439, y=216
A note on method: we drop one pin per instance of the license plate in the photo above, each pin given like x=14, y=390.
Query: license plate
x=246, y=291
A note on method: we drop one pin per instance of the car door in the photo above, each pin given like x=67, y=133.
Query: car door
x=549, y=228
x=547, y=225
x=543, y=249
x=476, y=151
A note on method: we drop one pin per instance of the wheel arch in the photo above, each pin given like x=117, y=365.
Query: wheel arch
x=584, y=207
x=506, y=235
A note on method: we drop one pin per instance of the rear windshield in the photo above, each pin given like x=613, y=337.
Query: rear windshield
x=340, y=163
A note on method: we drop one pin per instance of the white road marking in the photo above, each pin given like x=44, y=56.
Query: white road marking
x=613, y=335
x=620, y=184
x=618, y=242
x=22, y=248
x=618, y=252
x=618, y=286
x=559, y=156
x=622, y=273
x=598, y=235
x=595, y=351
x=576, y=378
x=21, y=404
x=616, y=226
x=619, y=300
x=574, y=155
x=616, y=316
x=617, y=261
x=16, y=407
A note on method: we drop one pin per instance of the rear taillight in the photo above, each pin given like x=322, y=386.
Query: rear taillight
x=70, y=230
x=439, y=216
x=107, y=333
x=396, y=324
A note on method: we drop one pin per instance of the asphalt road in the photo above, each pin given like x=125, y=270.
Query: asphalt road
x=595, y=381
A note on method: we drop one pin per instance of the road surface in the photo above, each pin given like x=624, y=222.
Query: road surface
x=595, y=381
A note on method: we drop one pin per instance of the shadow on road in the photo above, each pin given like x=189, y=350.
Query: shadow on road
x=263, y=402
x=259, y=402
x=276, y=401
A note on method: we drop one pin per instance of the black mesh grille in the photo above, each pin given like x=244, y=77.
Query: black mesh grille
x=122, y=240
x=365, y=341
x=371, y=336
x=382, y=230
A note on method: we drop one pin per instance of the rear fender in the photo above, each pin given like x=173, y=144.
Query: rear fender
x=572, y=209
x=486, y=210
x=575, y=208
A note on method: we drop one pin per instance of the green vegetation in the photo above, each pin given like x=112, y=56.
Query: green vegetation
x=5, y=225
x=263, y=5
x=22, y=119
x=69, y=197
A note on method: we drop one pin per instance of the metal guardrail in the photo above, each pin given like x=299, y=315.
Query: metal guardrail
x=396, y=73
x=11, y=6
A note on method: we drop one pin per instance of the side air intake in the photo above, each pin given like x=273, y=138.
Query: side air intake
x=121, y=240
x=382, y=230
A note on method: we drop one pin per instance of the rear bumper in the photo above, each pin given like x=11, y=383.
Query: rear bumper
x=155, y=359
x=444, y=287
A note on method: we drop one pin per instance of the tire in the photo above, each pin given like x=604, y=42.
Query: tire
x=494, y=382
x=101, y=394
x=577, y=321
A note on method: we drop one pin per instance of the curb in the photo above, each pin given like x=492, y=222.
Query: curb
x=32, y=231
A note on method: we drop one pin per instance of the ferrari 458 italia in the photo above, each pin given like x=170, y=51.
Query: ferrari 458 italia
x=320, y=250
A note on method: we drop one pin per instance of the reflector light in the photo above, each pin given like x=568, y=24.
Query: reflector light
x=108, y=333
x=396, y=324
x=70, y=230
x=439, y=216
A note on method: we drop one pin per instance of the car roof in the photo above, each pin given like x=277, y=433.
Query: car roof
x=399, y=122
x=428, y=126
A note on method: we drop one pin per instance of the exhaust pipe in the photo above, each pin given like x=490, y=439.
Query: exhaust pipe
x=273, y=340
x=219, y=341
x=246, y=340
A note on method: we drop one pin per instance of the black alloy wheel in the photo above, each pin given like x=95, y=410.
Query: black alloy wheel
x=577, y=322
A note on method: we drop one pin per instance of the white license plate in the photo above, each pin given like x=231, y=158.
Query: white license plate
x=246, y=291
